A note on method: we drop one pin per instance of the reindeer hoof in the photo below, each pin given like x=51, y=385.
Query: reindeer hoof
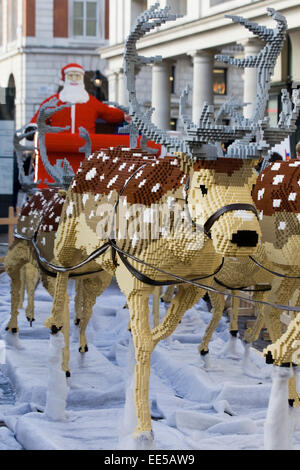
x=30, y=319
x=269, y=358
x=234, y=333
x=77, y=321
x=55, y=330
x=83, y=350
x=12, y=330
x=68, y=373
x=203, y=352
x=145, y=437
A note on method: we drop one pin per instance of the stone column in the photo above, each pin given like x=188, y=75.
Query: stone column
x=202, y=81
x=161, y=94
x=122, y=92
x=113, y=92
x=252, y=47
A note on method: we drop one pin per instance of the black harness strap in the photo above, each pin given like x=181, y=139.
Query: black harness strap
x=230, y=207
x=202, y=286
x=147, y=280
x=53, y=274
x=262, y=289
x=272, y=272
x=63, y=269
x=214, y=217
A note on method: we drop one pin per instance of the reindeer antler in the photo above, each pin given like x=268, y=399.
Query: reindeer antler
x=87, y=147
x=132, y=130
x=207, y=131
x=61, y=172
x=266, y=59
x=265, y=62
x=26, y=181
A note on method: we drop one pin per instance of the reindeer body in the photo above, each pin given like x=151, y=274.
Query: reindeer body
x=140, y=188
x=41, y=215
x=21, y=252
x=277, y=197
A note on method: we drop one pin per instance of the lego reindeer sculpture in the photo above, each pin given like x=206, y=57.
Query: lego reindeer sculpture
x=241, y=274
x=34, y=238
x=29, y=274
x=152, y=222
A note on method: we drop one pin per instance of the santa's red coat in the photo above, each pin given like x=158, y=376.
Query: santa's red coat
x=84, y=114
x=66, y=144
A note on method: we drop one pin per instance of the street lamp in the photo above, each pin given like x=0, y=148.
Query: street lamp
x=97, y=82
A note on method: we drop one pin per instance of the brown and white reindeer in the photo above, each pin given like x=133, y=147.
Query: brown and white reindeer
x=34, y=237
x=29, y=274
x=155, y=221
x=244, y=273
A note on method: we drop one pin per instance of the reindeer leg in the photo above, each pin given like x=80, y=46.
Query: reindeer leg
x=30, y=282
x=55, y=321
x=282, y=291
x=22, y=287
x=78, y=301
x=218, y=304
x=233, y=327
x=184, y=299
x=92, y=287
x=59, y=318
x=143, y=345
x=168, y=294
x=15, y=260
x=252, y=333
x=155, y=305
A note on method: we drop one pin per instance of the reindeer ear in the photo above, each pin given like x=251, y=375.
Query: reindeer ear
x=62, y=193
x=186, y=162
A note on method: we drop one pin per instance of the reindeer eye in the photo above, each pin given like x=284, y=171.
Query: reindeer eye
x=203, y=189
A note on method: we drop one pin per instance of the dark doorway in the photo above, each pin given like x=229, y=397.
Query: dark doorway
x=8, y=195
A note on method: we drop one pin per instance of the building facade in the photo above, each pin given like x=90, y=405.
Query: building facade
x=39, y=37
x=188, y=47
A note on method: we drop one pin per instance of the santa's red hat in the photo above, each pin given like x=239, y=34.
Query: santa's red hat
x=70, y=68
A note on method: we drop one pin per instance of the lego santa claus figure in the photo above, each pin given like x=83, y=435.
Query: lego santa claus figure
x=85, y=109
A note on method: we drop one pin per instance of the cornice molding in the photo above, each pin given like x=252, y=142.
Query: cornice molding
x=209, y=32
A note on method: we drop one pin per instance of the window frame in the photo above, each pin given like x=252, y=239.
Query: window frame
x=225, y=70
x=11, y=19
x=97, y=18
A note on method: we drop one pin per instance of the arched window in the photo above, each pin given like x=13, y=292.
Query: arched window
x=10, y=97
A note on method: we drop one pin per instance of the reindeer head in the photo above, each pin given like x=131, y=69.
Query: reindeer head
x=219, y=191
x=219, y=200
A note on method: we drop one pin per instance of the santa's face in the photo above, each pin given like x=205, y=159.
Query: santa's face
x=73, y=90
x=74, y=78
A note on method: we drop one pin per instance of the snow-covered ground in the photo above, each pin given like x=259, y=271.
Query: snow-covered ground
x=193, y=407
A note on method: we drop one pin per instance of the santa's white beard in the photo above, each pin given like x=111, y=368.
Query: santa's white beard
x=74, y=93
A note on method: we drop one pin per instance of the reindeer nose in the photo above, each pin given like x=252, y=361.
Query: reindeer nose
x=245, y=238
